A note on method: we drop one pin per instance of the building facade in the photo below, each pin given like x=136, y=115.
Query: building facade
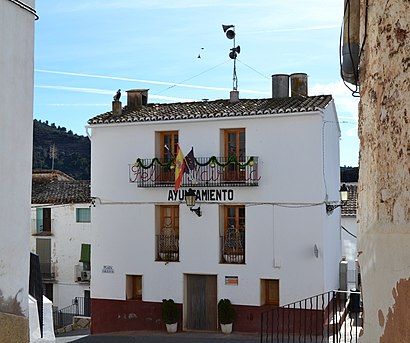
x=16, y=108
x=262, y=173
x=61, y=235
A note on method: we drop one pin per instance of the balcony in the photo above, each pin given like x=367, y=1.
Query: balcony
x=233, y=246
x=167, y=247
x=47, y=270
x=39, y=228
x=208, y=172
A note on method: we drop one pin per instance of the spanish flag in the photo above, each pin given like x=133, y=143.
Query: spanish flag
x=179, y=167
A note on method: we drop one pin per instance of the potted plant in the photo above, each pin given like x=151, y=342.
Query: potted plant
x=169, y=313
x=226, y=315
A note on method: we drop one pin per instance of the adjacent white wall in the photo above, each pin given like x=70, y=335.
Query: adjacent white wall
x=16, y=110
x=279, y=239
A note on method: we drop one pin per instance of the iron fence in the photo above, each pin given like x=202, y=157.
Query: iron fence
x=80, y=307
x=207, y=172
x=332, y=317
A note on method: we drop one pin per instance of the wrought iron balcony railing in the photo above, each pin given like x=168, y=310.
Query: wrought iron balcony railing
x=167, y=247
x=233, y=246
x=206, y=172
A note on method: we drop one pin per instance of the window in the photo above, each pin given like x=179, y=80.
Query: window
x=83, y=215
x=270, y=292
x=133, y=287
x=168, y=149
x=233, y=240
x=43, y=220
x=234, y=147
x=168, y=233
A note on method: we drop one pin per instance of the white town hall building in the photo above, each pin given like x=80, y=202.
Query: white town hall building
x=263, y=172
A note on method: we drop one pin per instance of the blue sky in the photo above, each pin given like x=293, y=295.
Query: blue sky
x=87, y=49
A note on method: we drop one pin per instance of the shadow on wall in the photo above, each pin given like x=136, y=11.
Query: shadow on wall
x=11, y=304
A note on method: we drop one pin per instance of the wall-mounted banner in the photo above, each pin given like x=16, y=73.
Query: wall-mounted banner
x=221, y=195
x=231, y=280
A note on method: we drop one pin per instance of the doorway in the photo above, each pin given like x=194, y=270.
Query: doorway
x=201, y=302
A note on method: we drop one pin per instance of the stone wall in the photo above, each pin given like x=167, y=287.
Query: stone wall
x=384, y=181
x=13, y=329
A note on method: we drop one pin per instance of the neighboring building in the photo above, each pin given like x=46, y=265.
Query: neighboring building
x=264, y=238
x=384, y=181
x=16, y=110
x=61, y=235
x=349, y=234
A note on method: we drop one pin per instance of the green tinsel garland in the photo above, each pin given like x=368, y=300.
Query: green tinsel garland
x=212, y=160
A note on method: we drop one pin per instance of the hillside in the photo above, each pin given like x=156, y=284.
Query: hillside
x=349, y=174
x=73, y=152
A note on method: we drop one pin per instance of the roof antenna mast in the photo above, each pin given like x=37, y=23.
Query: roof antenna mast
x=230, y=34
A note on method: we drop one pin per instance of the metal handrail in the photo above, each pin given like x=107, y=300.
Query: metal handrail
x=334, y=316
x=80, y=307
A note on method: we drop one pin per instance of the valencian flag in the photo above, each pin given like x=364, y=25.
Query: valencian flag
x=179, y=167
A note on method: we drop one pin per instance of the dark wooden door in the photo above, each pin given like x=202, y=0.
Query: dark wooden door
x=201, y=302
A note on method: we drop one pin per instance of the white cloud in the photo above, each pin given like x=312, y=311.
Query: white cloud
x=103, y=91
x=291, y=29
x=345, y=102
x=148, y=81
x=351, y=132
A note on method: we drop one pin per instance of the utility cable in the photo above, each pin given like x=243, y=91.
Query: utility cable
x=192, y=77
x=348, y=231
x=26, y=7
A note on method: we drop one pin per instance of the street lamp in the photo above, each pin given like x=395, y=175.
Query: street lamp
x=343, y=200
x=190, y=199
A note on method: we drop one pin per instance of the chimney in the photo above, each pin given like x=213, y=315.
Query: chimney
x=298, y=84
x=137, y=98
x=234, y=96
x=280, y=86
x=116, y=107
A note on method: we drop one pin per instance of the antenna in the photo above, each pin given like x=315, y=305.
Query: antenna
x=230, y=34
x=53, y=155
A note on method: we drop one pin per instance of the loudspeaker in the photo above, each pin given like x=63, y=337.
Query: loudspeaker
x=229, y=31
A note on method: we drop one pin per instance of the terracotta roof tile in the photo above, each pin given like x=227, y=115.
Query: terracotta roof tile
x=350, y=209
x=60, y=192
x=214, y=109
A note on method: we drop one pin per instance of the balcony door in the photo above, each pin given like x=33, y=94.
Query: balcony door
x=233, y=247
x=168, y=238
x=234, y=148
x=43, y=250
x=168, y=149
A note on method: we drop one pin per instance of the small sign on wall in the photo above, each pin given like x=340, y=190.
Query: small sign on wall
x=231, y=280
x=108, y=269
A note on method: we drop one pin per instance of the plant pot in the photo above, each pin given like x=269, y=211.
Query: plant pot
x=172, y=328
x=226, y=328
